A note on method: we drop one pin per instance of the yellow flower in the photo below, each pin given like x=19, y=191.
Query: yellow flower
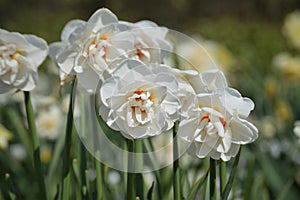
x=46, y=154
x=283, y=111
x=5, y=136
x=270, y=87
x=288, y=66
x=291, y=28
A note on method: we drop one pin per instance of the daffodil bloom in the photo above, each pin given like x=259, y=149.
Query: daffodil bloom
x=49, y=122
x=216, y=125
x=20, y=57
x=291, y=28
x=150, y=43
x=139, y=101
x=88, y=48
x=297, y=128
x=288, y=66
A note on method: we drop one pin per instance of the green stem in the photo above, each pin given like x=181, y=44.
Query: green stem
x=222, y=174
x=212, y=179
x=139, y=166
x=131, y=193
x=36, y=144
x=66, y=152
x=149, y=148
x=176, y=170
x=99, y=178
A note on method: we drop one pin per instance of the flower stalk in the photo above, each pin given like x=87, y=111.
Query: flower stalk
x=131, y=193
x=35, y=143
x=66, y=152
x=222, y=175
x=212, y=179
x=176, y=170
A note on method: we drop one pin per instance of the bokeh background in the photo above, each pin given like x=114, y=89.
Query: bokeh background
x=249, y=39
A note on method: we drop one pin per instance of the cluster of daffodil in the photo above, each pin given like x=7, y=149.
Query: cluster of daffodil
x=142, y=94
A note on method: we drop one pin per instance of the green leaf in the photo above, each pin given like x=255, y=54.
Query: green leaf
x=229, y=184
x=149, y=148
x=150, y=191
x=67, y=148
x=36, y=144
x=139, y=186
x=284, y=192
x=197, y=186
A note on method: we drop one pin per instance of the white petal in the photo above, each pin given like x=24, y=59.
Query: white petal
x=54, y=49
x=202, y=149
x=123, y=40
x=69, y=29
x=13, y=38
x=223, y=145
x=117, y=100
x=158, y=93
x=214, y=154
x=30, y=83
x=146, y=23
x=187, y=129
x=167, y=80
x=23, y=70
x=4, y=87
x=219, y=126
x=235, y=103
x=66, y=61
x=40, y=50
x=103, y=17
x=171, y=105
x=252, y=128
x=89, y=80
x=241, y=132
x=214, y=79
x=107, y=90
x=211, y=139
x=233, y=151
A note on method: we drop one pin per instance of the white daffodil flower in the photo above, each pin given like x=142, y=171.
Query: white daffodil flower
x=49, y=123
x=20, y=57
x=139, y=101
x=150, y=43
x=88, y=48
x=216, y=123
x=297, y=130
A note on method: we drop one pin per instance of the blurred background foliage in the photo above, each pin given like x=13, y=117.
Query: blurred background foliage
x=250, y=30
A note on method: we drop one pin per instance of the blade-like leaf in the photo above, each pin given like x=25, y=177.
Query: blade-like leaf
x=229, y=184
x=150, y=191
x=197, y=186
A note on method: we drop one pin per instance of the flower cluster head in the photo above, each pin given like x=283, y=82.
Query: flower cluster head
x=215, y=122
x=20, y=57
x=140, y=101
x=90, y=48
x=141, y=96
